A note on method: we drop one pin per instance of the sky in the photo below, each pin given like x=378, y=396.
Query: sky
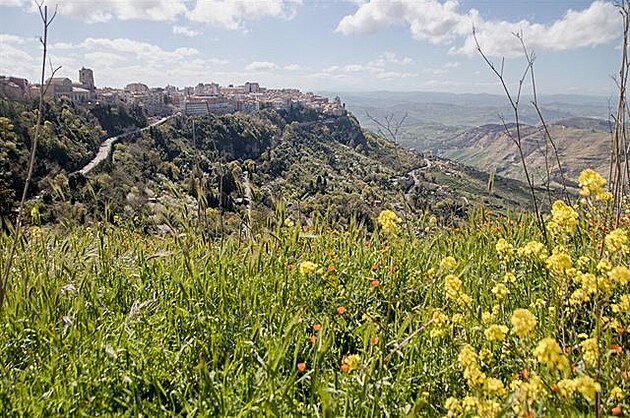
x=321, y=45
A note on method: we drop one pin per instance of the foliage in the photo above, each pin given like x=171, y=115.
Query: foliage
x=325, y=320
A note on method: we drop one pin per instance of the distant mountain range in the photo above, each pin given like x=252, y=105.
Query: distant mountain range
x=469, y=129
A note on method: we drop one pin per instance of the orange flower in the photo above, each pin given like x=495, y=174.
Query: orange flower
x=312, y=339
x=341, y=310
x=375, y=283
x=554, y=388
x=301, y=367
x=331, y=268
x=525, y=373
x=375, y=340
x=616, y=349
x=345, y=368
x=317, y=327
x=616, y=411
x=620, y=330
x=529, y=414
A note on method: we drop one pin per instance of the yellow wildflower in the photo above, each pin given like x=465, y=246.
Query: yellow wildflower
x=589, y=350
x=616, y=241
x=495, y=332
x=587, y=387
x=509, y=277
x=352, y=361
x=558, y=263
x=494, y=386
x=523, y=322
x=533, y=249
x=500, y=290
x=504, y=249
x=564, y=219
x=307, y=267
x=448, y=264
x=604, y=265
x=620, y=275
x=590, y=182
x=566, y=387
x=549, y=352
x=623, y=305
x=389, y=221
x=453, y=407
x=617, y=393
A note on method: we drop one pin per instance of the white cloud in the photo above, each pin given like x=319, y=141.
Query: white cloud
x=261, y=66
x=391, y=58
x=11, y=2
x=105, y=10
x=14, y=59
x=443, y=23
x=293, y=67
x=231, y=14
x=186, y=31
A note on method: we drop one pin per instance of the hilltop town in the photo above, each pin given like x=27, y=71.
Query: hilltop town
x=202, y=99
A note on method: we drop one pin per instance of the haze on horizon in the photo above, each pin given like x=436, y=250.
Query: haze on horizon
x=352, y=45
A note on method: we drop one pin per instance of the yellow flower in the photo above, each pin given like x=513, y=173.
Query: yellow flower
x=448, y=263
x=616, y=241
x=468, y=360
x=590, y=181
x=352, y=361
x=452, y=286
x=504, y=249
x=617, y=393
x=509, y=277
x=523, y=322
x=623, y=305
x=494, y=386
x=289, y=223
x=604, y=265
x=549, y=352
x=564, y=219
x=389, y=221
x=495, y=332
x=620, y=275
x=453, y=407
x=500, y=290
x=533, y=249
x=589, y=350
x=558, y=263
x=587, y=387
x=307, y=267
x=566, y=387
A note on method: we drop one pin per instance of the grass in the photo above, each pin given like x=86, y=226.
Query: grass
x=109, y=321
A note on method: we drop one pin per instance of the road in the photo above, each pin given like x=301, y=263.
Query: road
x=106, y=147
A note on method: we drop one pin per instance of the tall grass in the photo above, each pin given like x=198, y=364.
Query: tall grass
x=107, y=320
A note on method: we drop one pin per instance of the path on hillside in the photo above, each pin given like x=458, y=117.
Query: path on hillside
x=106, y=146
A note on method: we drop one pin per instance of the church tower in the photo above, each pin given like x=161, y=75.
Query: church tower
x=86, y=78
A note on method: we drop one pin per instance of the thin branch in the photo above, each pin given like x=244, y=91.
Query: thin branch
x=43, y=88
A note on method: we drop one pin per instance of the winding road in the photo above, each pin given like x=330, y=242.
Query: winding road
x=106, y=146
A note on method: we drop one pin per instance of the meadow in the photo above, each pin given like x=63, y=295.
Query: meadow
x=486, y=318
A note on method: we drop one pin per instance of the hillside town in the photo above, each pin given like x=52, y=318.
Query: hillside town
x=202, y=99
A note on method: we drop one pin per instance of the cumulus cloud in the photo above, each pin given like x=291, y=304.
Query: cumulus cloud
x=391, y=58
x=231, y=14
x=11, y=2
x=186, y=31
x=261, y=66
x=293, y=67
x=444, y=23
x=105, y=10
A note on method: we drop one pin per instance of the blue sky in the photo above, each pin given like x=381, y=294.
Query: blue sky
x=351, y=45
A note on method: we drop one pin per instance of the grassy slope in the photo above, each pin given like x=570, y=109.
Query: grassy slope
x=109, y=321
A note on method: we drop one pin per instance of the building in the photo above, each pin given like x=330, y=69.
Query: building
x=13, y=88
x=86, y=80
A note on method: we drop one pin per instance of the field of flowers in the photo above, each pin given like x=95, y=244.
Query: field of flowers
x=490, y=318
